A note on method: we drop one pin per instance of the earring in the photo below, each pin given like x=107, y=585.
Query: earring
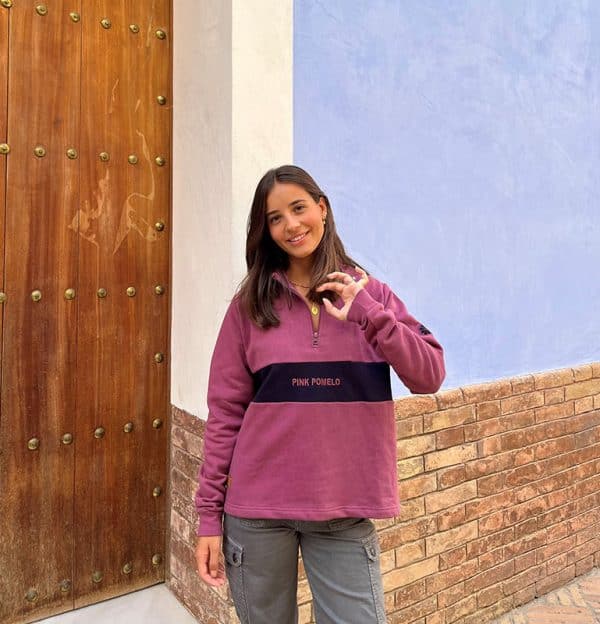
x=324, y=219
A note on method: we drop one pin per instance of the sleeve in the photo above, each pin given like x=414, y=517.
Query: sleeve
x=230, y=390
x=407, y=345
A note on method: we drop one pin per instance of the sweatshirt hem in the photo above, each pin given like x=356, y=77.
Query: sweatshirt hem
x=311, y=514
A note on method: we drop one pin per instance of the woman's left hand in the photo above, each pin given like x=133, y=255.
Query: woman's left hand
x=346, y=287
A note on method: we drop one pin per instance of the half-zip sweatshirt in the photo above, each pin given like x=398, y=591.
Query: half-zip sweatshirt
x=301, y=424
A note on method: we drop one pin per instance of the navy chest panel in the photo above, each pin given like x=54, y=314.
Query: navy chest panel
x=323, y=382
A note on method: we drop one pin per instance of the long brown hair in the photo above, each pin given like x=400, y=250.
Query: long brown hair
x=259, y=289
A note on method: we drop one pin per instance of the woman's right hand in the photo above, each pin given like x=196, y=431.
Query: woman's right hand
x=209, y=560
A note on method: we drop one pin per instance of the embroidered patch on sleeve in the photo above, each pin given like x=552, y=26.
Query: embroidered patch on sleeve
x=424, y=330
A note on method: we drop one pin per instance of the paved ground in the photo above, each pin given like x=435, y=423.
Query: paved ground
x=154, y=605
x=575, y=603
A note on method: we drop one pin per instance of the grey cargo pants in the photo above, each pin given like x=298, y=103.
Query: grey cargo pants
x=341, y=558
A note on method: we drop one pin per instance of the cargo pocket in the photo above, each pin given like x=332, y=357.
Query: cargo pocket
x=233, y=554
x=373, y=552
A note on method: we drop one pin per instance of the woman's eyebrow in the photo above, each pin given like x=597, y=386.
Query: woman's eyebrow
x=296, y=201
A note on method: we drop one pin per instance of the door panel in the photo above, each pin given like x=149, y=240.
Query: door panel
x=39, y=339
x=83, y=521
x=119, y=523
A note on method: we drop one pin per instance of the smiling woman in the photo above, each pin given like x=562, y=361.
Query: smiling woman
x=300, y=442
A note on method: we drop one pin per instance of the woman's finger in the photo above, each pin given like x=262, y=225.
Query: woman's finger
x=363, y=274
x=331, y=309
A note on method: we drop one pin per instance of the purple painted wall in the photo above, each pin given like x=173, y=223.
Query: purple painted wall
x=459, y=143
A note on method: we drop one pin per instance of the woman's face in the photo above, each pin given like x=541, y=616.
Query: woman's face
x=295, y=220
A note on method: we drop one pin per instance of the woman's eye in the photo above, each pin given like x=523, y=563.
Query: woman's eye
x=274, y=219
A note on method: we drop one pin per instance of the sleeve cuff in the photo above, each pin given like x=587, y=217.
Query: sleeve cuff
x=361, y=306
x=210, y=525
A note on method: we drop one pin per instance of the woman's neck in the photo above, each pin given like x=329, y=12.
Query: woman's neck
x=300, y=271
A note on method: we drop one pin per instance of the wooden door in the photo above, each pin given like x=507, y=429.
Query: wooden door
x=85, y=225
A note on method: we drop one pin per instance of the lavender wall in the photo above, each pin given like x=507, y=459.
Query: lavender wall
x=459, y=143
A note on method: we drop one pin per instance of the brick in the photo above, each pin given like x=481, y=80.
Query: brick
x=595, y=369
x=491, y=484
x=553, y=378
x=527, y=527
x=187, y=441
x=451, y=518
x=582, y=372
x=410, y=553
x=487, y=391
x=488, y=409
x=523, y=456
x=451, y=576
x=448, y=540
x=554, y=412
x=522, y=402
x=551, y=550
x=526, y=543
x=453, y=558
x=524, y=383
x=489, y=577
x=489, y=504
x=556, y=564
x=450, y=398
x=450, y=457
x=524, y=474
x=449, y=596
x=406, y=532
x=490, y=595
x=585, y=404
x=410, y=614
x=483, y=544
x=451, y=476
x=417, y=486
x=448, y=418
x=449, y=437
x=583, y=551
x=489, y=613
x=526, y=510
x=492, y=523
x=409, y=467
x=524, y=561
x=409, y=574
x=491, y=559
x=555, y=580
x=410, y=447
x=408, y=427
x=584, y=566
x=580, y=422
x=523, y=579
x=412, y=508
x=410, y=594
x=582, y=388
x=557, y=446
x=450, y=497
x=460, y=609
x=487, y=465
x=415, y=405
x=554, y=396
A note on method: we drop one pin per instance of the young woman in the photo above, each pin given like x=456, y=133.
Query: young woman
x=300, y=442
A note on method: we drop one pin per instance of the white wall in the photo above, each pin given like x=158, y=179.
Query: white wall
x=232, y=120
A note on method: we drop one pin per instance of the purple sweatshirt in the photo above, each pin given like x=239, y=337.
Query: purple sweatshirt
x=301, y=424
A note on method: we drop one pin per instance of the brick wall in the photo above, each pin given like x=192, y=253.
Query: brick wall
x=500, y=490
